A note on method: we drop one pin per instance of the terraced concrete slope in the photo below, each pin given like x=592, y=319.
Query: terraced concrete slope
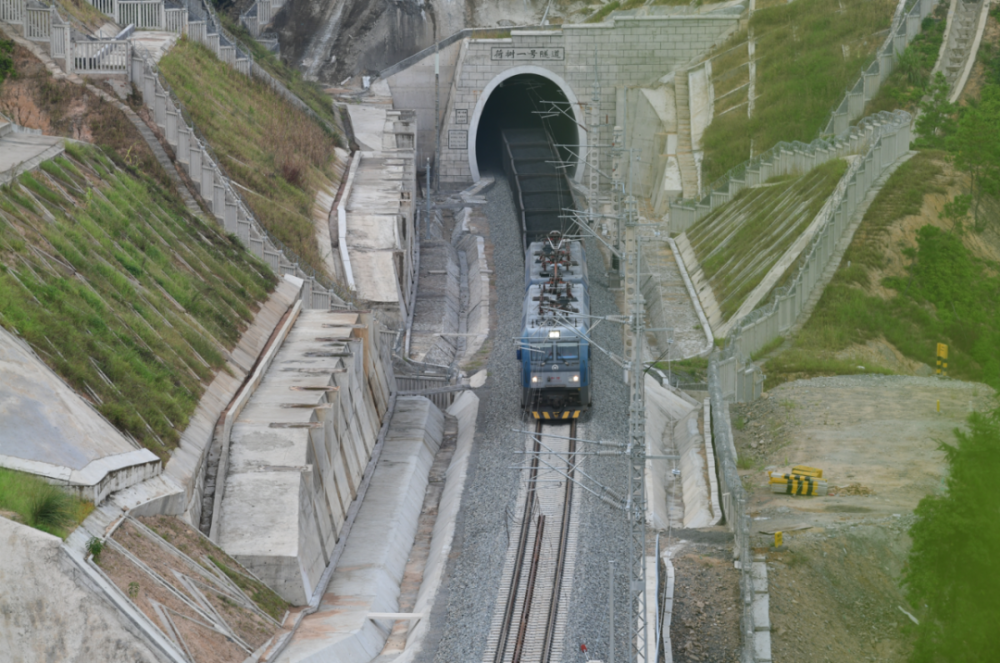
x=739, y=243
x=130, y=299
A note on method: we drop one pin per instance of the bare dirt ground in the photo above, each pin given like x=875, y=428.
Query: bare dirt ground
x=705, y=624
x=156, y=587
x=835, y=593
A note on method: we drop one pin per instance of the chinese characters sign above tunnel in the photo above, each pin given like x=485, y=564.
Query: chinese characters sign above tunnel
x=527, y=53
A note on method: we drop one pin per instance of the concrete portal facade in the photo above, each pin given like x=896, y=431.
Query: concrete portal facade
x=629, y=51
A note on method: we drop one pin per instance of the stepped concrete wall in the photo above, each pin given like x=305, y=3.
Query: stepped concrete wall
x=369, y=573
x=299, y=449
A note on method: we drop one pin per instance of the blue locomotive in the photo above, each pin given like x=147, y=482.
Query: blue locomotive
x=553, y=348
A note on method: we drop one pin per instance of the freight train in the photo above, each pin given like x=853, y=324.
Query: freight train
x=553, y=348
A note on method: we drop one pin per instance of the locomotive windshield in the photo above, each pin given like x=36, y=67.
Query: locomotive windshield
x=555, y=352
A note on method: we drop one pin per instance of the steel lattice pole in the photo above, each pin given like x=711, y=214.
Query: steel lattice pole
x=636, y=451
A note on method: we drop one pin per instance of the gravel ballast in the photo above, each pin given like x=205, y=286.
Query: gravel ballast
x=460, y=620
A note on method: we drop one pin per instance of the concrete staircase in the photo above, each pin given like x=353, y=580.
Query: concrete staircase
x=685, y=154
x=668, y=304
x=961, y=44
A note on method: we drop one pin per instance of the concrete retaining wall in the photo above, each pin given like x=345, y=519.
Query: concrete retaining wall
x=299, y=449
x=465, y=409
x=369, y=573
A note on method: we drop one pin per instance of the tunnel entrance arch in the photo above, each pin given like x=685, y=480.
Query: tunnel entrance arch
x=526, y=71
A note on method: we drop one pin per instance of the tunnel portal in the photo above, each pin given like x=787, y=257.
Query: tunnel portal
x=520, y=102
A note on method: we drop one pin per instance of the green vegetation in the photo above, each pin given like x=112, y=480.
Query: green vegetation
x=809, y=52
x=949, y=575
x=910, y=79
x=740, y=242
x=947, y=295
x=265, y=598
x=129, y=298
x=6, y=59
x=37, y=503
x=95, y=547
x=276, y=153
x=309, y=92
x=603, y=12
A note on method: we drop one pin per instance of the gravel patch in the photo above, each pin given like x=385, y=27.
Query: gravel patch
x=460, y=620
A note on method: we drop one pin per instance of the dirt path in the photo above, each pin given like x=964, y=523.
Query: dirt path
x=835, y=593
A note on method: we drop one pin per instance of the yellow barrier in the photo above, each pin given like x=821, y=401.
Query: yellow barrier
x=807, y=471
x=806, y=486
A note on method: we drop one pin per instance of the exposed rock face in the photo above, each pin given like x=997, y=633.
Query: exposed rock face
x=47, y=614
x=330, y=40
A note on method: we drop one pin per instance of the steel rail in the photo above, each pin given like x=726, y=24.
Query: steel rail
x=515, y=581
x=550, y=626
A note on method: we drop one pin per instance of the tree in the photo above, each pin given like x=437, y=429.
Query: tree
x=6, y=60
x=951, y=573
x=936, y=121
x=976, y=145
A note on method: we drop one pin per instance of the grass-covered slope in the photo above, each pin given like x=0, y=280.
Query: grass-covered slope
x=308, y=91
x=127, y=296
x=739, y=243
x=808, y=53
x=909, y=277
x=276, y=153
x=36, y=503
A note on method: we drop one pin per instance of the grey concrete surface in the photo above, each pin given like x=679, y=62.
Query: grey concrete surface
x=49, y=613
x=369, y=573
x=49, y=430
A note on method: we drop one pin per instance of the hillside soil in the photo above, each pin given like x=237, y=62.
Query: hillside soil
x=835, y=592
x=35, y=99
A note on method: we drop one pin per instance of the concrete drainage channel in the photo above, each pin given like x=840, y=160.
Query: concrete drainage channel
x=452, y=313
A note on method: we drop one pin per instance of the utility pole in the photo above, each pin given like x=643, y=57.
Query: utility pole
x=635, y=507
x=437, y=117
x=594, y=135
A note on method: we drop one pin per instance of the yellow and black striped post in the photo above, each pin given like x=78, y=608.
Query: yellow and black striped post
x=942, y=359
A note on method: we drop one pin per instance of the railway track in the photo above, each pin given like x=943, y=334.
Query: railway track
x=528, y=625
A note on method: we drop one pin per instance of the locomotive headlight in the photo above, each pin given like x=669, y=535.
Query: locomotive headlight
x=554, y=333
x=534, y=378
x=575, y=378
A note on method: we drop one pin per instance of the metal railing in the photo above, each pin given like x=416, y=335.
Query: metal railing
x=734, y=501
x=906, y=26
x=103, y=56
x=888, y=142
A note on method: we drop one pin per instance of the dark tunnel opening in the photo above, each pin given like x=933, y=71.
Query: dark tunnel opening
x=516, y=104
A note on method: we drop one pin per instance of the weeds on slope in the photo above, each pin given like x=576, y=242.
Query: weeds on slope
x=946, y=295
x=37, y=503
x=275, y=153
x=311, y=93
x=808, y=53
x=124, y=294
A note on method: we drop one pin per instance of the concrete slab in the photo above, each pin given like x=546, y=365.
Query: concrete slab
x=153, y=44
x=51, y=431
x=23, y=152
x=50, y=613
